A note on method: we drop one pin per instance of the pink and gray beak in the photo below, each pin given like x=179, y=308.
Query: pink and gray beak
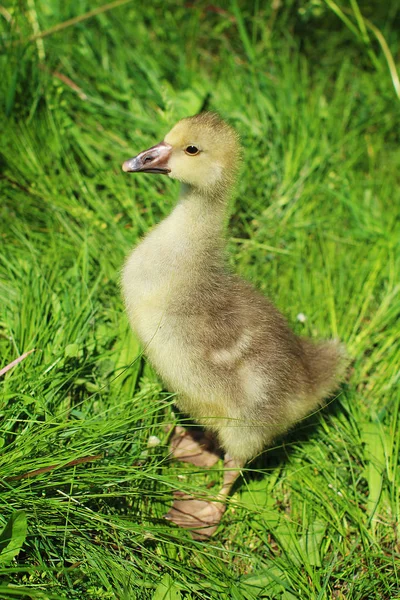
x=153, y=160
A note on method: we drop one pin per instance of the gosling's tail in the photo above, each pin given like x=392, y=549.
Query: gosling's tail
x=327, y=364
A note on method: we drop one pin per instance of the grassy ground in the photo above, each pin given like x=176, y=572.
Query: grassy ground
x=313, y=225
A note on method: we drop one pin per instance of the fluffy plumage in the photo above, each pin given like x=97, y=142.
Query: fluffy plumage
x=226, y=351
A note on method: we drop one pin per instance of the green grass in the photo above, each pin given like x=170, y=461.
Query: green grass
x=314, y=224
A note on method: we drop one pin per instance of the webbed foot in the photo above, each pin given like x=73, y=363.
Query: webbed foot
x=194, y=446
x=200, y=516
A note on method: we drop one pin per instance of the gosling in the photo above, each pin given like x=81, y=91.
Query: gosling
x=226, y=351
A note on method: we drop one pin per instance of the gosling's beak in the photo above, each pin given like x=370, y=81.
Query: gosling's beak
x=153, y=160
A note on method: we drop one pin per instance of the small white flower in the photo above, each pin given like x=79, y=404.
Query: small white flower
x=301, y=317
x=153, y=441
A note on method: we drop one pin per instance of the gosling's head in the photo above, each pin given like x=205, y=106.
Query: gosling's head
x=201, y=151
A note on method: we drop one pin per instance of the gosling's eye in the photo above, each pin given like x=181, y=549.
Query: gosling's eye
x=192, y=150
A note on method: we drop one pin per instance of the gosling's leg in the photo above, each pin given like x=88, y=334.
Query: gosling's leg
x=202, y=517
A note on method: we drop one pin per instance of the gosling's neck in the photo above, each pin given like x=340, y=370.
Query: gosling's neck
x=202, y=213
x=190, y=242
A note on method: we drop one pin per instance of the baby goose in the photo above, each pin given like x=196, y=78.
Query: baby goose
x=219, y=344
